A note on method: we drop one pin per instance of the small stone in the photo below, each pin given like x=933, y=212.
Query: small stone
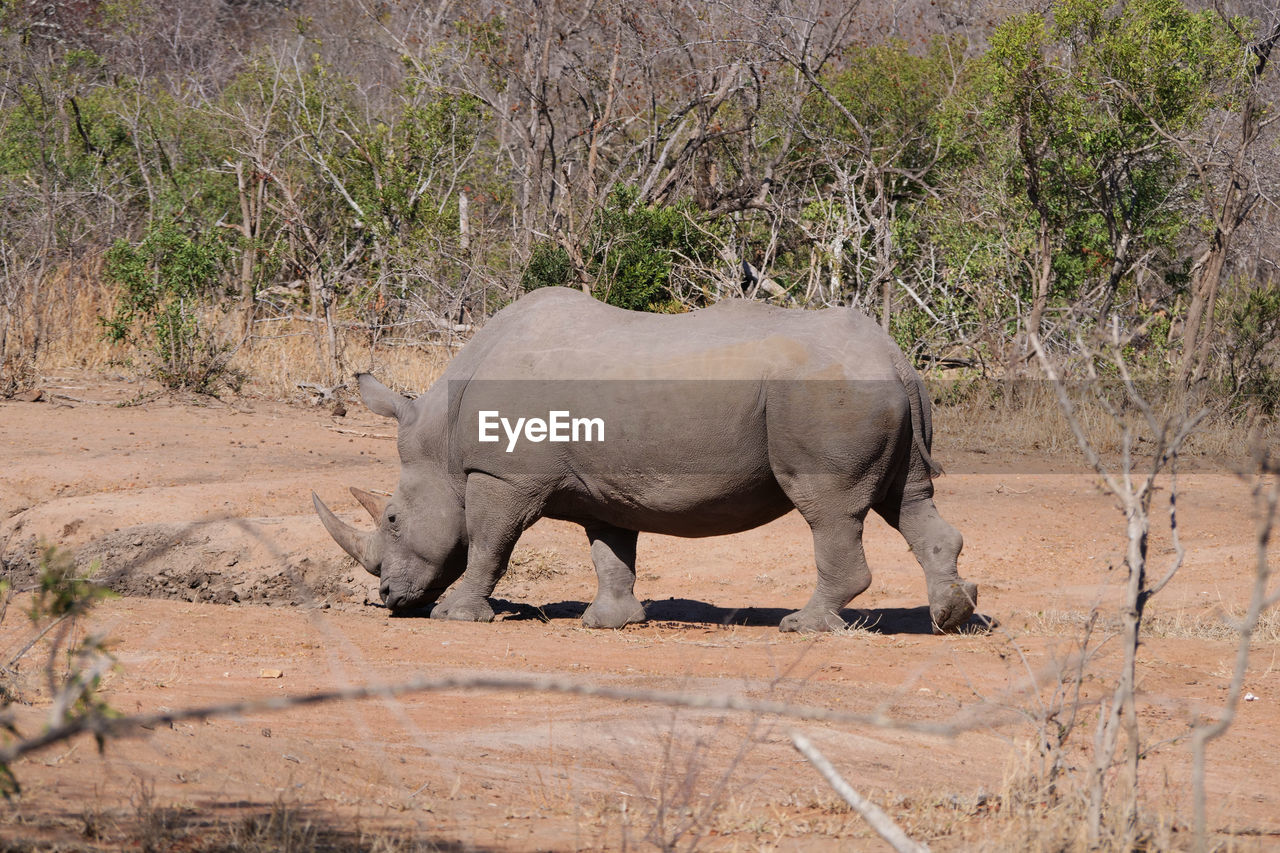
x=271, y=673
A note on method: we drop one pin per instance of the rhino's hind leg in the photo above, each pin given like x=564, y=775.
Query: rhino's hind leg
x=613, y=550
x=936, y=544
x=842, y=574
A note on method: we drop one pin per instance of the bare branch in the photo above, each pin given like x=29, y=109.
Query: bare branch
x=1267, y=497
x=870, y=812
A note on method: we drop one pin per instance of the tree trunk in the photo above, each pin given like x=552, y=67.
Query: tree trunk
x=1040, y=298
x=1214, y=278
x=1032, y=156
x=1118, y=265
x=252, y=192
x=603, y=119
x=464, y=223
x=1198, y=328
x=246, y=295
x=884, y=250
x=535, y=197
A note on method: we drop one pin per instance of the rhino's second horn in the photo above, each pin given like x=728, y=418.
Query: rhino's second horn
x=375, y=505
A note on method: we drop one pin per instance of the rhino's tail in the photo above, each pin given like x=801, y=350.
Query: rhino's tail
x=921, y=410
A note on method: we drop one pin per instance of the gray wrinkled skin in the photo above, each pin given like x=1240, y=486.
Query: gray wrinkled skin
x=759, y=410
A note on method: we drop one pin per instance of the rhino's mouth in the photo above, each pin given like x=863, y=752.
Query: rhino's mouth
x=403, y=603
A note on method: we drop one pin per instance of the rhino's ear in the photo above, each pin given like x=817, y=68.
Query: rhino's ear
x=380, y=399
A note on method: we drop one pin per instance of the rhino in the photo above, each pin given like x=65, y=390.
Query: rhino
x=713, y=422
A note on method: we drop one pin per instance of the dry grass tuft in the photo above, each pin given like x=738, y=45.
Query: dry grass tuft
x=1217, y=624
x=1024, y=417
x=863, y=625
x=63, y=328
x=66, y=333
x=295, y=351
x=1027, y=813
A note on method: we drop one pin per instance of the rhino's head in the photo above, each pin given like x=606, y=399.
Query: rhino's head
x=419, y=547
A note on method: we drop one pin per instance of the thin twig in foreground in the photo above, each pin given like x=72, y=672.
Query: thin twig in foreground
x=8, y=667
x=977, y=717
x=871, y=813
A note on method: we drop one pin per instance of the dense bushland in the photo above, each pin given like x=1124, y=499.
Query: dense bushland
x=215, y=174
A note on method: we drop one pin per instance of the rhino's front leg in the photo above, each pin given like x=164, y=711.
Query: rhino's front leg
x=613, y=550
x=495, y=518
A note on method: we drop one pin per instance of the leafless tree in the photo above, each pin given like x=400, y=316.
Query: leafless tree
x=1226, y=167
x=1134, y=487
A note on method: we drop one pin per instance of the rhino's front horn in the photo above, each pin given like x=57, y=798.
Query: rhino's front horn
x=375, y=505
x=364, y=547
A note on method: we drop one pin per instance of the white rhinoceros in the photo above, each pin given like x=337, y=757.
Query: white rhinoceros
x=697, y=424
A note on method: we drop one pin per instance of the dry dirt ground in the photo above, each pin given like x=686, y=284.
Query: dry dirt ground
x=199, y=512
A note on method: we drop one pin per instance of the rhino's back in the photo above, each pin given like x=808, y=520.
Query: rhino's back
x=557, y=333
x=692, y=407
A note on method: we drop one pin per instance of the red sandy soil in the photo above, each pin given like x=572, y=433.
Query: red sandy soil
x=200, y=512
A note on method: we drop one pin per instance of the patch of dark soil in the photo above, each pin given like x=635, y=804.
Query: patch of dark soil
x=210, y=828
x=179, y=563
x=20, y=565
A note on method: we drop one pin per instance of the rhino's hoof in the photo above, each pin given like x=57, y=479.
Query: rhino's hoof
x=613, y=612
x=812, y=621
x=466, y=610
x=951, y=608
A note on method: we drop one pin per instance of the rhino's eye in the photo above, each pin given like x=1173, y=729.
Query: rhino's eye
x=391, y=519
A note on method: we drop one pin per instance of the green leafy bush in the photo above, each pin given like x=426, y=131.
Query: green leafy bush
x=165, y=281
x=549, y=266
x=1251, y=321
x=636, y=248
x=634, y=253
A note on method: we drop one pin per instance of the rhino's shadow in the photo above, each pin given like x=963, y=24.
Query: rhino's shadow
x=884, y=620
